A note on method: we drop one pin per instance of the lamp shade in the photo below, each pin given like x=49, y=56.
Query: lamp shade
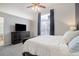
x=72, y=28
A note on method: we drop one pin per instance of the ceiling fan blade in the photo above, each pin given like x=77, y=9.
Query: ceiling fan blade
x=42, y=6
x=29, y=6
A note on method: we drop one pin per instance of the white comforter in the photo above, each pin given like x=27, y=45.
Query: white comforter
x=46, y=46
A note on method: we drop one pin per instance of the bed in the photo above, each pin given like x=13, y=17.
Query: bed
x=53, y=45
x=46, y=46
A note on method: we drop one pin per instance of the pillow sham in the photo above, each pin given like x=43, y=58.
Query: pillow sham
x=74, y=44
x=69, y=35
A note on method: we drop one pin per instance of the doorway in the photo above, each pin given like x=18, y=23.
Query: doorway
x=1, y=31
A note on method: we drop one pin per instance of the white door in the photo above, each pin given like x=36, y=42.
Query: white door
x=1, y=31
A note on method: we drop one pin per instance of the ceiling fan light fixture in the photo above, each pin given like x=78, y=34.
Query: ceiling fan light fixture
x=36, y=8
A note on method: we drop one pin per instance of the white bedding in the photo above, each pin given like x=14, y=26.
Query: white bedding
x=46, y=46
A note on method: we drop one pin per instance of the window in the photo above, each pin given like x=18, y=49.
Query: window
x=45, y=25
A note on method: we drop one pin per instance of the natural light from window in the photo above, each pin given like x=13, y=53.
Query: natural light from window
x=45, y=24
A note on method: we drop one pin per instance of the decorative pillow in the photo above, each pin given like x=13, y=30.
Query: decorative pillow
x=74, y=44
x=69, y=35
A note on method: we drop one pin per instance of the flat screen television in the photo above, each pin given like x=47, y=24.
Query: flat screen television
x=20, y=27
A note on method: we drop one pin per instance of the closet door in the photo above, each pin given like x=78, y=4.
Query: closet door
x=52, y=22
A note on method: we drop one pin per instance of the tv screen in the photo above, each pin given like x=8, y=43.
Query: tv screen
x=20, y=27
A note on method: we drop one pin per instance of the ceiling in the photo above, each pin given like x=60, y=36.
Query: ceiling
x=21, y=8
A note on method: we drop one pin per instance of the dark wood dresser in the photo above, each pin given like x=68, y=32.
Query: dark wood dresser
x=19, y=36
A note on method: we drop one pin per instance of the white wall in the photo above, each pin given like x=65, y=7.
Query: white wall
x=35, y=24
x=64, y=18
x=9, y=22
x=15, y=9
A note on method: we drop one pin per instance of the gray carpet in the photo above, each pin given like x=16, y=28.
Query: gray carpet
x=11, y=50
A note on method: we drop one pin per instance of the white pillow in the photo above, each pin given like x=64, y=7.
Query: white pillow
x=69, y=35
x=74, y=44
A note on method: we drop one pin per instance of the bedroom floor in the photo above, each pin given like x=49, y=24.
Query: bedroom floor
x=11, y=50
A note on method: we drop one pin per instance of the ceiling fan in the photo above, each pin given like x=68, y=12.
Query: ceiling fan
x=36, y=6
